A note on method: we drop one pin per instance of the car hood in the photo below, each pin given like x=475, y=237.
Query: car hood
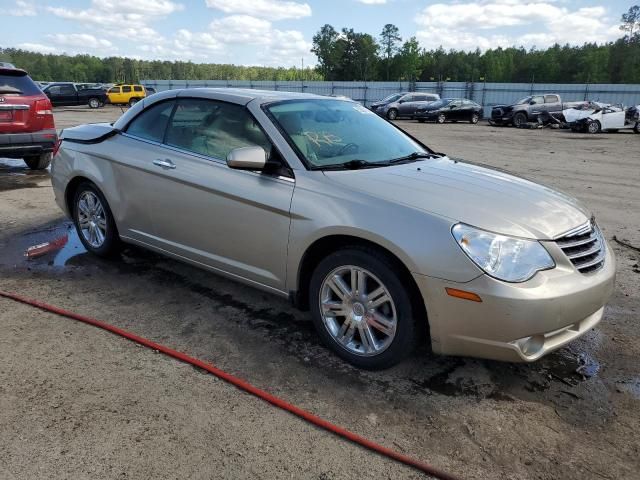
x=473, y=194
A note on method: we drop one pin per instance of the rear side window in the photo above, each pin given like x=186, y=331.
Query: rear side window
x=551, y=99
x=213, y=128
x=126, y=89
x=152, y=122
x=137, y=88
x=18, y=83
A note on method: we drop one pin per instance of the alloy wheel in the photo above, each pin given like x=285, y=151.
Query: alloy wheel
x=92, y=219
x=358, y=311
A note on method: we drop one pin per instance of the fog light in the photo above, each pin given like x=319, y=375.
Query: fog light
x=529, y=346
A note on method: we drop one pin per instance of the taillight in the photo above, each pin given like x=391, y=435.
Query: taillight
x=45, y=110
x=56, y=146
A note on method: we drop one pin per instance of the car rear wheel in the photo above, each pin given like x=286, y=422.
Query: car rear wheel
x=474, y=118
x=362, y=309
x=519, y=120
x=94, y=221
x=38, y=162
x=133, y=101
x=392, y=114
x=636, y=128
x=94, y=103
x=594, y=127
x=441, y=118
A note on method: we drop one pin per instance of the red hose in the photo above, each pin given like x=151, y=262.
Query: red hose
x=242, y=385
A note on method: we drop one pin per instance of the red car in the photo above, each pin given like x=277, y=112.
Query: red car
x=27, y=129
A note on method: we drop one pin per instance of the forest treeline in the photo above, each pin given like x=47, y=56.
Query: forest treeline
x=349, y=55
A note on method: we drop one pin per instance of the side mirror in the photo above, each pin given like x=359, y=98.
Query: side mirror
x=247, y=158
x=401, y=101
x=532, y=102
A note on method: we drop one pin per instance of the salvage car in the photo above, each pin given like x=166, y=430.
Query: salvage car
x=27, y=129
x=319, y=200
x=450, y=109
x=68, y=94
x=405, y=106
x=528, y=109
x=608, y=118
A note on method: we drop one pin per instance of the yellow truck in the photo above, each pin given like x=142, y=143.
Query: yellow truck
x=126, y=94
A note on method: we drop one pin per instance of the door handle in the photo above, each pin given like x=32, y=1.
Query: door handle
x=166, y=164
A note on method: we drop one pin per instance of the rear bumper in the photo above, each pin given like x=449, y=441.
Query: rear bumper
x=19, y=145
x=517, y=322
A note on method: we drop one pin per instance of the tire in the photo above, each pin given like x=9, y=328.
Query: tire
x=395, y=315
x=133, y=101
x=392, y=114
x=93, y=103
x=38, y=162
x=519, y=120
x=474, y=118
x=441, y=118
x=109, y=245
x=594, y=127
x=636, y=128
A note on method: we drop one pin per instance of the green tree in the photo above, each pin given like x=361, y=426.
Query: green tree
x=389, y=39
x=631, y=23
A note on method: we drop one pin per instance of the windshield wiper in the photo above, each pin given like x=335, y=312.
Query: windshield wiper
x=350, y=165
x=412, y=157
x=9, y=90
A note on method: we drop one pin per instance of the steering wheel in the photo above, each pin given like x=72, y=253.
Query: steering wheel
x=348, y=148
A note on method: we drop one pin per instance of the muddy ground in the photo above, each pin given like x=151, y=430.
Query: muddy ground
x=76, y=402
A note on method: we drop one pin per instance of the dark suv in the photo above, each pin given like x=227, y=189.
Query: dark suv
x=27, y=130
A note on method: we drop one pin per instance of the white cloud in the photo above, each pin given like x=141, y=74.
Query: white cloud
x=23, y=9
x=493, y=22
x=80, y=41
x=37, y=47
x=372, y=2
x=268, y=9
x=240, y=29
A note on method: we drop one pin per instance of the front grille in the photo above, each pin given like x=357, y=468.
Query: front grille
x=584, y=247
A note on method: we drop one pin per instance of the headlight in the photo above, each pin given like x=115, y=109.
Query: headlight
x=505, y=258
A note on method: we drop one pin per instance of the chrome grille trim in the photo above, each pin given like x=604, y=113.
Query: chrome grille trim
x=584, y=247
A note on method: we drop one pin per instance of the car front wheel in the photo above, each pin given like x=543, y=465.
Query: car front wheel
x=94, y=103
x=392, y=114
x=38, y=162
x=362, y=309
x=474, y=118
x=94, y=221
x=441, y=118
x=594, y=127
x=519, y=120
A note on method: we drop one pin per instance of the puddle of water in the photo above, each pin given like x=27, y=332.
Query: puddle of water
x=15, y=175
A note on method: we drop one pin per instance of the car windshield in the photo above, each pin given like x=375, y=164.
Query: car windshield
x=523, y=100
x=336, y=132
x=392, y=98
x=440, y=103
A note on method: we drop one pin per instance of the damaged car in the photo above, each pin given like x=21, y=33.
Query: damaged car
x=528, y=109
x=319, y=200
x=608, y=118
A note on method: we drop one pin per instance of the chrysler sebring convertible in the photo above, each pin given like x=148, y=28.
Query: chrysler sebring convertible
x=320, y=200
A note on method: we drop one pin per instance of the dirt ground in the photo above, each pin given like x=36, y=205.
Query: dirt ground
x=77, y=402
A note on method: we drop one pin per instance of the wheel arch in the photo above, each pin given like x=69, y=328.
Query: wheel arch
x=323, y=246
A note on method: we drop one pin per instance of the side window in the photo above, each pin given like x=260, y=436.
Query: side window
x=137, y=88
x=55, y=90
x=538, y=100
x=551, y=99
x=420, y=98
x=114, y=90
x=67, y=90
x=152, y=122
x=126, y=89
x=213, y=128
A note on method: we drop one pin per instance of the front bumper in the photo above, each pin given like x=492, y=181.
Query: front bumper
x=517, y=322
x=19, y=145
x=426, y=115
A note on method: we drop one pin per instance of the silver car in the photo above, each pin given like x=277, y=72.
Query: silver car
x=320, y=200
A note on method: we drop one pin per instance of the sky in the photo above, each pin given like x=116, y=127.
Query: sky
x=279, y=32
